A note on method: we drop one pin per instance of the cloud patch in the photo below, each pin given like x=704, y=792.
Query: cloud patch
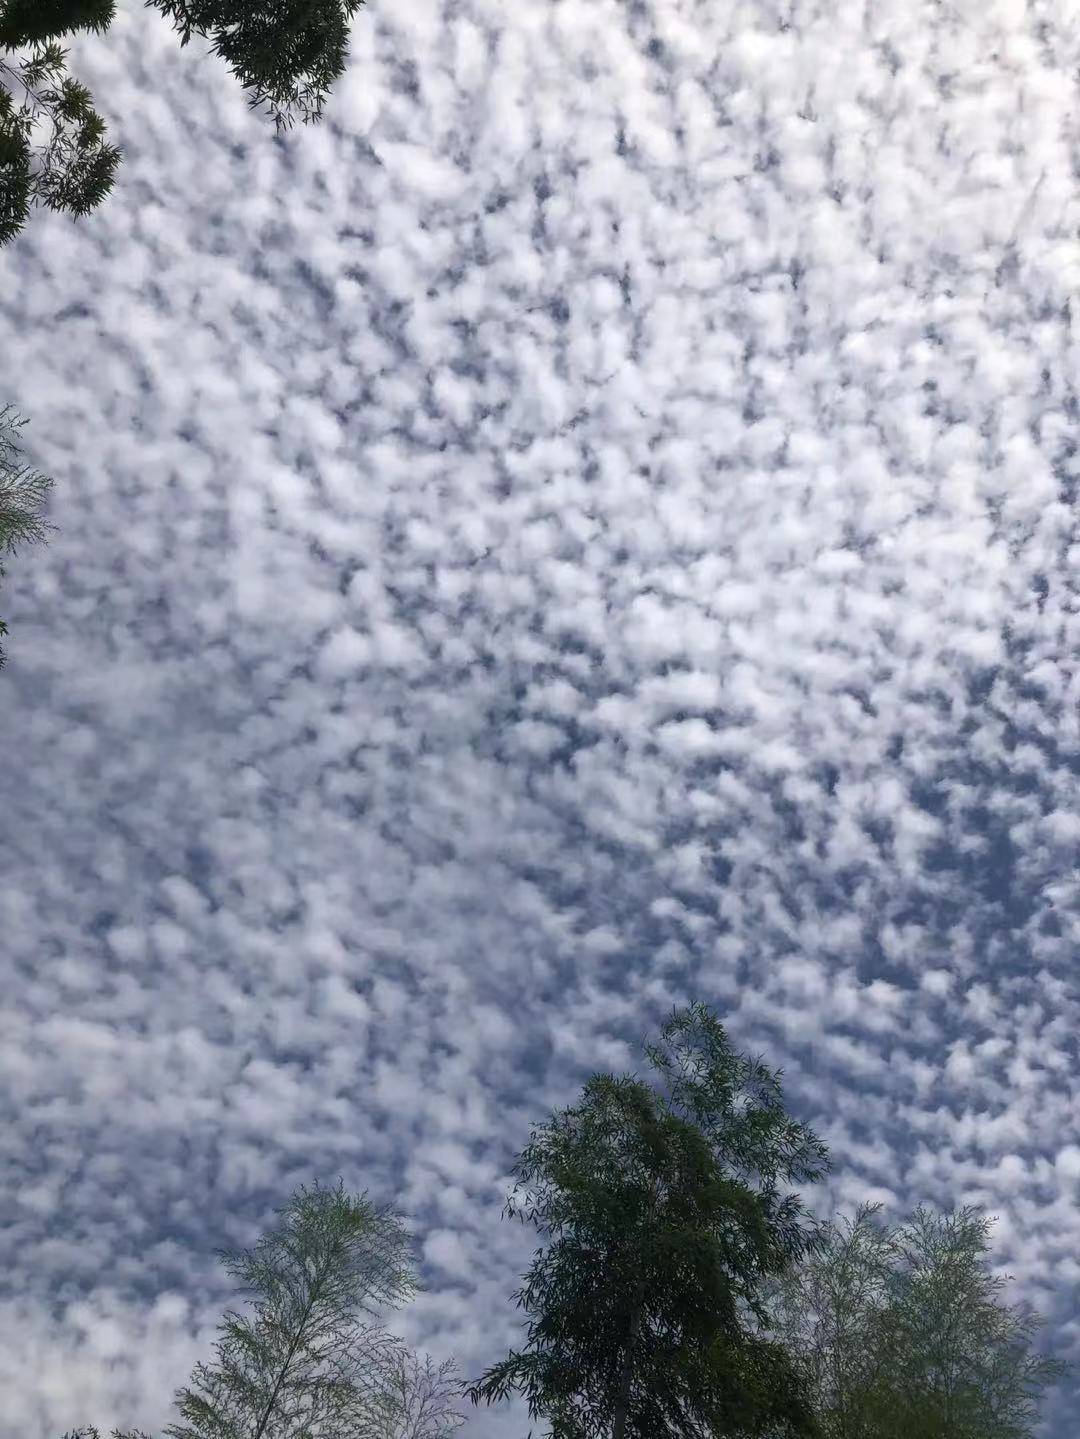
x=590, y=526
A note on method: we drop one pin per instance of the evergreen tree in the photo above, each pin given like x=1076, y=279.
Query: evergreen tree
x=665, y=1214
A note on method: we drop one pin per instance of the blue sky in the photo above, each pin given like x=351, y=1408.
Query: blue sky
x=591, y=526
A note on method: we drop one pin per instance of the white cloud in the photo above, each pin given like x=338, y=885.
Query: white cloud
x=591, y=525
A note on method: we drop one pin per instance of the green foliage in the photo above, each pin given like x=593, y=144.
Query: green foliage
x=416, y=1399
x=53, y=150
x=89, y=1432
x=28, y=22
x=958, y=1361
x=823, y=1310
x=286, y=54
x=304, y=1363
x=53, y=147
x=664, y=1215
x=903, y=1332
x=23, y=493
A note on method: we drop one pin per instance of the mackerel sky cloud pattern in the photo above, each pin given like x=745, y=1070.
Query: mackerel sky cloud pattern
x=593, y=525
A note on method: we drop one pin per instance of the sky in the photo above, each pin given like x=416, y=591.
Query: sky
x=591, y=526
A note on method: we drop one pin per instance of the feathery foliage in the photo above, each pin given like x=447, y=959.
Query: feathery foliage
x=664, y=1217
x=23, y=493
x=90, y=1431
x=903, y=1332
x=824, y=1308
x=417, y=1399
x=958, y=1359
x=305, y=1364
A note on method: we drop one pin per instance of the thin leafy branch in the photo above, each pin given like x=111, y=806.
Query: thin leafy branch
x=286, y=55
x=311, y=1357
x=53, y=146
x=54, y=149
x=24, y=492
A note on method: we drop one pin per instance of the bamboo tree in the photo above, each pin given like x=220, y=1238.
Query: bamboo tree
x=54, y=150
x=286, y=54
x=664, y=1214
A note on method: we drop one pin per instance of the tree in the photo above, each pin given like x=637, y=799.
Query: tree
x=53, y=150
x=89, y=1431
x=305, y=1364
x=902, y=1332
x=287, y=53
x=665, y=1214
x=958, y=1360
x=23, y=493
x=53, y=147
x=825, y=1308
x=417, y=1399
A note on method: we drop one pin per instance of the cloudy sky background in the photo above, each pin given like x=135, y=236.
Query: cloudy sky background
x=591, y=526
